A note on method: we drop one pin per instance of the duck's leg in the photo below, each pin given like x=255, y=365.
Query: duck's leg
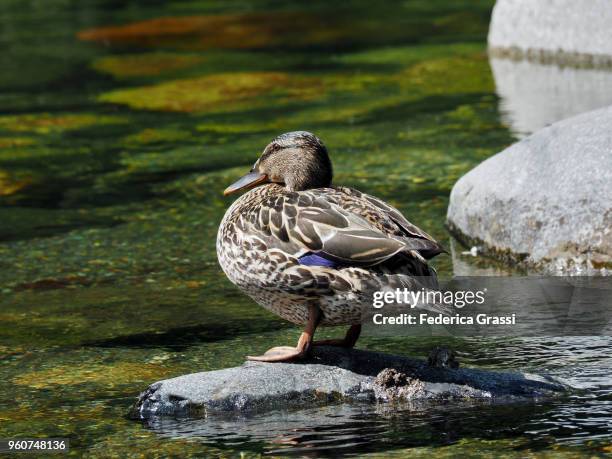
x=287, y=353
x=349, y=340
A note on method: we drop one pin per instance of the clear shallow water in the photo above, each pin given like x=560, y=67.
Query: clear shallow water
x=115, y=145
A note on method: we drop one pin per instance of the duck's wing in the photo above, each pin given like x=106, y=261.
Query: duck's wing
x=389, y=220
x=323, y=222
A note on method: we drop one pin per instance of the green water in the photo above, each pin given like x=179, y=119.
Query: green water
x=118, y=133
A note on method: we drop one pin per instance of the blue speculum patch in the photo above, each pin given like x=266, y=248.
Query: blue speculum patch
x=313, y=259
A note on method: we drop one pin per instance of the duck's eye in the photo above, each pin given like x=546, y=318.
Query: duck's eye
x=274, y=147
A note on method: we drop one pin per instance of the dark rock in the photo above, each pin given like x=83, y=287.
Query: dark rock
x=442, y=357
x=392, y=385
x=333, y=375
x=391, y=378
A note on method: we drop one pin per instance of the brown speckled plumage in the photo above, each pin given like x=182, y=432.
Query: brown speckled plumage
x=267, y=229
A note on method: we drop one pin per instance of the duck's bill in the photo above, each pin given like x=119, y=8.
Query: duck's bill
x=246, y=181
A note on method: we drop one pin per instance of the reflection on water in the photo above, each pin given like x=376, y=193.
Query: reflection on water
x=534, y=95
x=351, y=429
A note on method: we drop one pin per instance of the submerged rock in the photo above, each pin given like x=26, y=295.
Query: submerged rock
x=333, y=375
x=545, y=201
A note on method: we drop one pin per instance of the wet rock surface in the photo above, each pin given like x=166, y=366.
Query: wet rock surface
x=333, y=375
x=544, y=202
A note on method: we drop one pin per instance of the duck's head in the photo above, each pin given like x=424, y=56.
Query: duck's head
x=297, y=160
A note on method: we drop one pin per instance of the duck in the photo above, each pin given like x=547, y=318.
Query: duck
x=314, y=253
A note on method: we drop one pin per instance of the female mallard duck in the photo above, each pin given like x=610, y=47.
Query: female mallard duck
x=313, y=253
